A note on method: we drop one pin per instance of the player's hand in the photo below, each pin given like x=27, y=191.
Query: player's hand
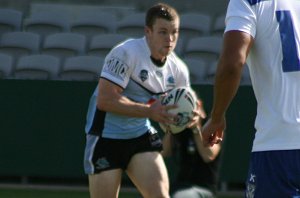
x=159, y=113
x=213, y=132
x=199, y=114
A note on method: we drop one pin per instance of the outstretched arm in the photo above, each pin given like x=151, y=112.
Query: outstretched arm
x=236, y=47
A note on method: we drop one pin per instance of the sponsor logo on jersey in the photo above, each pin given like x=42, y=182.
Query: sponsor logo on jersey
x=117, y=68
x=143, y=75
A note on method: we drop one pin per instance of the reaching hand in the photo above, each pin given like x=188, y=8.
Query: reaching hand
x=213, y=131
x=199, y=114
x=159, y=113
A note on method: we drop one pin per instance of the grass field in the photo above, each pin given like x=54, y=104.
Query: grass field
x=51, y=193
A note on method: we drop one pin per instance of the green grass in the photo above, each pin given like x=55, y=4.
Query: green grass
x=41, y=193
x=34, y=193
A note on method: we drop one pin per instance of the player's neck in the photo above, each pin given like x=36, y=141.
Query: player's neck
x=158, y=62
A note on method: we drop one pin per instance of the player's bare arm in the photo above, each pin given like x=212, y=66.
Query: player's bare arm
x=111, y=100
x=227, y=81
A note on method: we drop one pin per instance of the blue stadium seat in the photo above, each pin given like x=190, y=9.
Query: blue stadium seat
x=82, y=68
x=101, y=44
x=64, y=45
x=10, y=20
x=6, y=65
x=93, y=22
x=37, y=67
x=45, y=23
x=132, y=25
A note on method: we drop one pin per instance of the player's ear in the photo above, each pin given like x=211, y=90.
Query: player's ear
x=147, y=30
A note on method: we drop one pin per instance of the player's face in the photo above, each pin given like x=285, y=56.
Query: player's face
x=162, y=37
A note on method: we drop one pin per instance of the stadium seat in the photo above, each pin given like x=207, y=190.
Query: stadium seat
x=218, y=26
x=37, y=67
x=132, y=25
x=10, y=20
x=64, y=45
x=82, y=68
x=18, y=44
x=211, y=72
x=194, y=25
x=101, y=44
x=6, y=65
x=93, y=22
x=198, y=70
x=207, y=48
x=179, y=46
x=47, y=22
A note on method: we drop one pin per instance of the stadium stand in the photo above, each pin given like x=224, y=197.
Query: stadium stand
x=92, y=23
x=194, y=24
x=18, y=44
x=211, y=71
x=198, y=70
x=64, y=45
x=10, y=20
x=6, y=65
x=101, y=44
x=218, y=26
x=37, y=67
x=45, y=23
x=132, y=25
x=82, y=68
x=205, y=47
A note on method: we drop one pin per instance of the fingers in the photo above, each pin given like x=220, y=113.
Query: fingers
x=215, y=138
x=200, y=109
x=166, y=117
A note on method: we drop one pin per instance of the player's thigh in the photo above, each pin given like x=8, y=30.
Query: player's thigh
x=148, y=172
x=105, y=184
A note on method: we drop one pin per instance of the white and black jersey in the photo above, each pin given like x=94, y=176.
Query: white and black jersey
x=129, y=66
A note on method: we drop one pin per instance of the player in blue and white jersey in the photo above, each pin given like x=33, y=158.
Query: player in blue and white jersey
x=119, y=133
x=267, y=34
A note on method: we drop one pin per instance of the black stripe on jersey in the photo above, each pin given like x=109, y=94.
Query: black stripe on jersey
x=98, y=123
x=149, y=91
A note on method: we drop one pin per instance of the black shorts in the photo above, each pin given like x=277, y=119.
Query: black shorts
x=106, y=154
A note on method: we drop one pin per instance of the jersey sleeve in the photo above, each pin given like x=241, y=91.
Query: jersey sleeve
x=117, y=67
x=241, y=16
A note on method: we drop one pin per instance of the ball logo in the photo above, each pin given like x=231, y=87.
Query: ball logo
x=182, y=119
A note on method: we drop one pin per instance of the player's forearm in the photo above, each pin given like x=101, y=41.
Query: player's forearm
x=208, y=154
x=123, y=106
x=226, y=85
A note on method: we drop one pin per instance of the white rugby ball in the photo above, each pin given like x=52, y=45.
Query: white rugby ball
x=186, y=101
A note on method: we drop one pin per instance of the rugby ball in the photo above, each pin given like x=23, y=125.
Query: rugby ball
x=186, y=101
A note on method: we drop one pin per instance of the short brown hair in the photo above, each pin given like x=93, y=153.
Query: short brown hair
x=160, y=10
